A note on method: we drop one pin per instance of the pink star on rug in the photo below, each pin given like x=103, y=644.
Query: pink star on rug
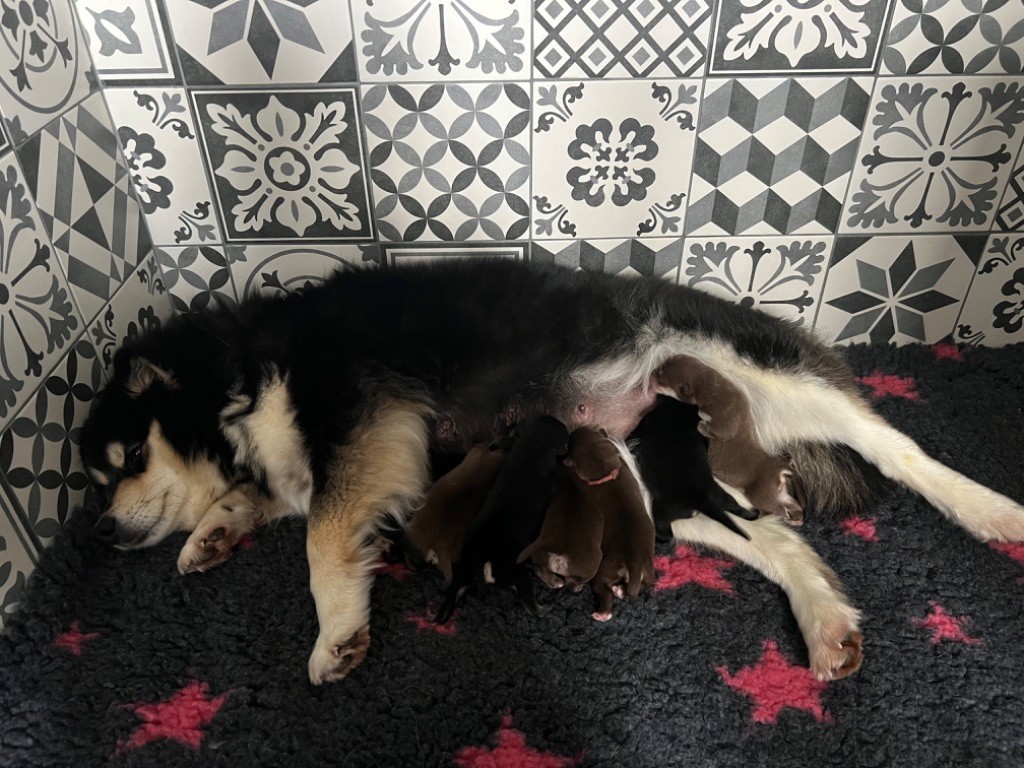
x=943, y=626
x=511, y=752
x=688, y=566
x=180, y=718
x=247, y=541
x=423, y=622
x=774, y=684
x=887, y=385
x=946, y=351
x=864, y=527
x=72, y=640
x=1010, y=549
x=397, y=571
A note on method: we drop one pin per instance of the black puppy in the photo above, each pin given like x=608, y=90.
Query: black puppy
x=673, y=460
x=511, y=517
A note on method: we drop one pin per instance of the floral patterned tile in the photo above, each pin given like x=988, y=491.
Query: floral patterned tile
x=955, y=37
x=270, y=269
x=39, y=452
x=128, y=40
x=782, y=276
x=140, y=306
x=17, y=557
x=936, y=154
x=38, y=318
x=994, y=310
x=406, y=253
x=45, y=61
x=427, y=40
x=903, y=289
x=650, y=257
x=197, y=277
x=238, y=42
x=158, y=136
x=449, y=161
x=612, y=159
x=755, y=36
x=287, y=165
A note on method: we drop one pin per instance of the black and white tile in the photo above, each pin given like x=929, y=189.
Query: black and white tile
x=287, y=165
x=197, y=277
x=449, y=162
x=406, y=253
x=611, y=159
x=783, y=36
x=936, y=154
x=160, y=144
x=900, y=289
x=442, y=40
x=256, y=42
x=606, y=38
x=774, y=156
x=272, y=270
x=83, y=190
x=128, y=41
x=649, y=257
x=993, y=313
x=782, y=276
x=38, y=318
x=141, y=305
x=17, y=557
x=1011, y=209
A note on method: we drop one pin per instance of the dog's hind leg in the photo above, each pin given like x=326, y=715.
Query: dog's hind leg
x=382, y=469
x=829, y=624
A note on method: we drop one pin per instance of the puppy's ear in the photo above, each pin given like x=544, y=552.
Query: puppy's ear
x=529, y=552
x=567, y=461
x=603, y=432
x=143, y=374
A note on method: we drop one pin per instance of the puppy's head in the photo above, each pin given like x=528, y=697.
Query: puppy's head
x=143, y=448
x=593, y=456
x=679, y=375
x=555, y=569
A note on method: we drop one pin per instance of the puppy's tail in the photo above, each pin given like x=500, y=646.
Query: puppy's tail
x=833, y=479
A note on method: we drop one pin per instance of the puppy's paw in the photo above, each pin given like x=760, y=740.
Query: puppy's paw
x=619, y=592
x=598, y=616
x=838, y=657
x=208, y=546
x=332, y=661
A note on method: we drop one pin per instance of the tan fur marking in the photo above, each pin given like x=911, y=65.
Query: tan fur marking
x=144, y=374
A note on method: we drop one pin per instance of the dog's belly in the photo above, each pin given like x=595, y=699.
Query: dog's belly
x=618, y=415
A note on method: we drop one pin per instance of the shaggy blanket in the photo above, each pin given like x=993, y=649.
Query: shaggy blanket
x=115, y=660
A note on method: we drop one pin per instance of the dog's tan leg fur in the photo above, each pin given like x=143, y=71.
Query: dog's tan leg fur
x=382, y=470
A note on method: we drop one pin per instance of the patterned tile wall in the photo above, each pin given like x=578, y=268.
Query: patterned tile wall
x=853, y=165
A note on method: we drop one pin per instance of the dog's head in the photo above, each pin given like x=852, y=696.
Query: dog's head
x=593, y=456
x=151, y=445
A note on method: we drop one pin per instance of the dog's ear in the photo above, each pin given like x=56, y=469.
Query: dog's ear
x=143, y=374
x=603, y=432
x=529, y=552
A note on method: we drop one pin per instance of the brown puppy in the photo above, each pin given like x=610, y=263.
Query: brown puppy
x=735, y=456
x=439, y=526
x=568, y=551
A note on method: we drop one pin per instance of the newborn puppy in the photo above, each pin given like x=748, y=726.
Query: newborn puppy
x=568, y=551
x=627, y=541
x=511, y=517
x=735, y=455
x=673, y=460
x=437, y=528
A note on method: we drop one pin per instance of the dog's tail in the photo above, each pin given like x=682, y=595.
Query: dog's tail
x=834, y=479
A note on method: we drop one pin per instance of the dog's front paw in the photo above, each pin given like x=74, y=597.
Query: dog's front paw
x=207, y=547
x=332, y=660
x=839, y=656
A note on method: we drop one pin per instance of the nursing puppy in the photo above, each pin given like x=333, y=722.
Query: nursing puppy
x=568, y=551
x=673, y=460
x=439, y=526
x=511, y=517
x=735, y=455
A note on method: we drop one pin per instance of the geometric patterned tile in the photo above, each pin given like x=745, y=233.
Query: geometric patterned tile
x=650, y=257
x=38, y=319
x=936, y=154
x=39, y=452
x=407, y=253
x=45, y=63
x=896, y=289
x=774, y=156
x=782, y=276
x=463, y=40
x=287, y=165
x=128, y=41
x=141, y=305
x=273, y=270
x=449, y=161
x=660, y=38
x=17, y=558
x=612, y=159
x=1011, y=210
x=235, y=42
x=197, y=276
x=994, y=311
x=84, y=194
x=159, y=140
x=955, y=37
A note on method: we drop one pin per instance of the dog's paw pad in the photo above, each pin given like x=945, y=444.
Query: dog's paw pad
x=840, y=660
x=618, y=591
x=206, y=549
x=597, y=616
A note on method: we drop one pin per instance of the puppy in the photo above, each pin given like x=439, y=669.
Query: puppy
x=568, y=551
x=735, y=455
x=627, y=541
x=438, y=527
x=673, y=460
x=511, y=517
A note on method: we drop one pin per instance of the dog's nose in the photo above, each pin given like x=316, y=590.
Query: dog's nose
x=106, y=529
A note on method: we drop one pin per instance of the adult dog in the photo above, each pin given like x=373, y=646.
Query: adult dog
x=324, y=403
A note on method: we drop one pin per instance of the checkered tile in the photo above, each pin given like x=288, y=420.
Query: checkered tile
x=654, y=257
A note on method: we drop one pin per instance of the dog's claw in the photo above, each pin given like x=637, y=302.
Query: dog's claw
x=332, y=663
x=841, y=661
